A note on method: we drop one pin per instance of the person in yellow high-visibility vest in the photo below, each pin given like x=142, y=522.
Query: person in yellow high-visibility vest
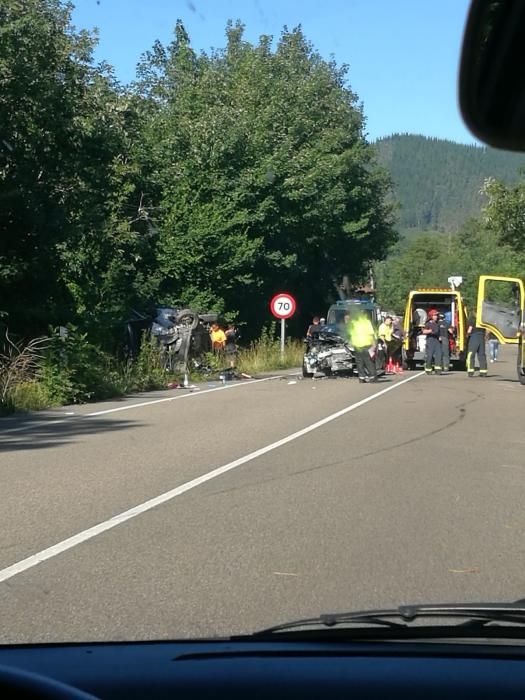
x=362, y=338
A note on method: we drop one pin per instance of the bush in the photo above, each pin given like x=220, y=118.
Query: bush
x=147, y=371
x=19, y=365
x=30, y=396
x=61, y=370
x=74, y=370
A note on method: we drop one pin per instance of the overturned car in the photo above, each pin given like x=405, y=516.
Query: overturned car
x=182, y=334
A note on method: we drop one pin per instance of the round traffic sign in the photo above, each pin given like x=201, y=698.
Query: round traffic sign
x=283, y=305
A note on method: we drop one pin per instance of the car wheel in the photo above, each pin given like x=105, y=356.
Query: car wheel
x=186, y=317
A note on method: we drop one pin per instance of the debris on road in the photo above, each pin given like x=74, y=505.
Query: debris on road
x=473, y=570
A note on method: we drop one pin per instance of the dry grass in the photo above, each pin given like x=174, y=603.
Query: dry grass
x=19, y=366
x=265, y=357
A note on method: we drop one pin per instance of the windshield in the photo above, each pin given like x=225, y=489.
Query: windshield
x=188, y=191
x=342, y=316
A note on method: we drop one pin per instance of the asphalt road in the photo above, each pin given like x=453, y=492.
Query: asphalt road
x=275, y=499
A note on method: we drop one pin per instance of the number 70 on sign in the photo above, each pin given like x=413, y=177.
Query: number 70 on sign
x=283, y=305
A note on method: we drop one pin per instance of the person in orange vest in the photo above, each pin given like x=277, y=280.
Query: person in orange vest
x=218, y=338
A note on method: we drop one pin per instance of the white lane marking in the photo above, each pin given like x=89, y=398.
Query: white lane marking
x=182, y=396
x=98, y=529
x=127, y=407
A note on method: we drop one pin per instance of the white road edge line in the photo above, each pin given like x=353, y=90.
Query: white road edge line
x=128, y=407
x=91, y=532
x=183, y=396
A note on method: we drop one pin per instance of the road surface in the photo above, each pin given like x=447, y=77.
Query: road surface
x=181, y=514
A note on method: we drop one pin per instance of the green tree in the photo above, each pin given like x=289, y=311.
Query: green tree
x=481, y=251
x=67, y=248
x=427, y=262
x=264, y=176
x=504, y=213
x=430, y=259
x=216, y=180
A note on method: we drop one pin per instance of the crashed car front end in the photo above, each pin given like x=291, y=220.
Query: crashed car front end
x=328, y=353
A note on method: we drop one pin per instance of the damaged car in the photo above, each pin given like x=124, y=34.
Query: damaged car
x=182, y=334
x=328, y=351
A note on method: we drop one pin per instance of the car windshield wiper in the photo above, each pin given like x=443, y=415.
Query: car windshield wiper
x=474, y=614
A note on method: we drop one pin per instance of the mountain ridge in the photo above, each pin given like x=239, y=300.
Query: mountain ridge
x=438, y=181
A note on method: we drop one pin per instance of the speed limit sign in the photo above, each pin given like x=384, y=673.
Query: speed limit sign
x=283, y=305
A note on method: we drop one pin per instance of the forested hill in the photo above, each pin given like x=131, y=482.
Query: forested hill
x=438, y=182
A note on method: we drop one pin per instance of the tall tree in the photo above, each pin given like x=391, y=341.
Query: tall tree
x=265, y=176
x=504, y=212
x=67, y=249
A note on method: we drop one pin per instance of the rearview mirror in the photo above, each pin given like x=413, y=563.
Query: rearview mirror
x=492, y=79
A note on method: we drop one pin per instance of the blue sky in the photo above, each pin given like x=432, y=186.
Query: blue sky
x=403, y=54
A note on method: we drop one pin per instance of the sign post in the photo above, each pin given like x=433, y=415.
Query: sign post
x=283, y=306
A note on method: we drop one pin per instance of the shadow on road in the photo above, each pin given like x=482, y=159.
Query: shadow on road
x=41, y=434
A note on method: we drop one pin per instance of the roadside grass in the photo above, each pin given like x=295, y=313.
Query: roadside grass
x=262, y=357
x=55, y=371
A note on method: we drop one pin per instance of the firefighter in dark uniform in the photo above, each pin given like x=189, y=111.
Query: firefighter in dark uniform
x=476, y=346
x=433, y=346
x=444, y=337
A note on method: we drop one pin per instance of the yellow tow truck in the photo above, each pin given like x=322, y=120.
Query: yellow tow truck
x=500, y=309
x=447, y=301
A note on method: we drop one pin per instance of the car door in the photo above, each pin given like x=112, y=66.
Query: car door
x=500, y=306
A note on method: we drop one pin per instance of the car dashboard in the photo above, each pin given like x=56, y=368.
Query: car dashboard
x=255, y=669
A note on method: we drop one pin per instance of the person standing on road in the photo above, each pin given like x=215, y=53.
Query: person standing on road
x=362, y=338
x=385, y=332
x=390, y=335
x=493, y=347
x=230, y=347
x=444, y=338
x=218, y=338
x=476, y=346
x=433, y=345
x=397, y=340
